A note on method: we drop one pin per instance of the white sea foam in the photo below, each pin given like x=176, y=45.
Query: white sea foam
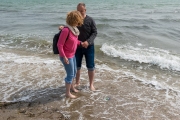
x=23, y=77
x=18, y=82
x=158, y=83
x=11, y=57
x=162, y=58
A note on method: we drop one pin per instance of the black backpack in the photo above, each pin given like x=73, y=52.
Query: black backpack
x=55, y=41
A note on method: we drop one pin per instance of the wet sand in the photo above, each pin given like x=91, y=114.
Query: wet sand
x=36, y=110
x=118, y=96
x=99, y=106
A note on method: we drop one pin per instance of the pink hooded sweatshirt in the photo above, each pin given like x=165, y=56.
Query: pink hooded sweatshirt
x=67, y=48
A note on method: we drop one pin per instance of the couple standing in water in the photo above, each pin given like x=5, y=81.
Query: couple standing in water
x=81, y=31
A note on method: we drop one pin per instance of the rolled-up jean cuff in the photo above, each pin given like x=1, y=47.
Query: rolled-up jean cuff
x=91, y=69
x=78, y=68
x=69, y=82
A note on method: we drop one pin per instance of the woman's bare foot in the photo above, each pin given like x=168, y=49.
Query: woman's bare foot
x=74, y=90
x=71, y=96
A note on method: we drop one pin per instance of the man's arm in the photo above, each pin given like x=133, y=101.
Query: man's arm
x=61, y=27
x=90, y=40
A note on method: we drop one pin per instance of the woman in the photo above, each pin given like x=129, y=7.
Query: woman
x=67, y=49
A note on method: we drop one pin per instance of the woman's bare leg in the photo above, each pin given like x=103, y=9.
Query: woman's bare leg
x=68, y=93
x=73, y=87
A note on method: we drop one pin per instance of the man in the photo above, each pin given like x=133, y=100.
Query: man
x=88, y=33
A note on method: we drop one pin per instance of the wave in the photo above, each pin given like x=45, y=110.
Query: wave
x=155, y=56
x=167, y=20
x=144, y=27
x=103, y=25
x=27, y=43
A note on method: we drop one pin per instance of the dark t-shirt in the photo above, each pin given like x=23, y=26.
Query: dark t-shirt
x=88, y=30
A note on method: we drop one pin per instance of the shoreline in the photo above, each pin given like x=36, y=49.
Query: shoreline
x=30, y=110
x=39, y=91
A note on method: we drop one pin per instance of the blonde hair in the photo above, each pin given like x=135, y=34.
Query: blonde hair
x=74, y=18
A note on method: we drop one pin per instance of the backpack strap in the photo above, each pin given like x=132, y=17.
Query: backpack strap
x=68, y=33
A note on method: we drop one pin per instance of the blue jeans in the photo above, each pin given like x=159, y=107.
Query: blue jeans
x=70, y=69
x=89, y=56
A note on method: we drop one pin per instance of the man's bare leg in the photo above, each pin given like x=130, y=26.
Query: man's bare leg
x=91, y=79
x=77, y=83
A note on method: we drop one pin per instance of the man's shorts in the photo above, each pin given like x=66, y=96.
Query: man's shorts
x=89, y=57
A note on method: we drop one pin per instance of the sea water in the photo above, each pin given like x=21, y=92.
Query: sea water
x=137, y=57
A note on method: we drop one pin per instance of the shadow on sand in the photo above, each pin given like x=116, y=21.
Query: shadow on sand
x=40, y=105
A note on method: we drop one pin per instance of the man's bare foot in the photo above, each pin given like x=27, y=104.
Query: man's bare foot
x=76, y=84
x=71, y=96
x=92, y=88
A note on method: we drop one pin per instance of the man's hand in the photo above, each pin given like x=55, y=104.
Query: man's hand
x=85, y=44
x=61, y=27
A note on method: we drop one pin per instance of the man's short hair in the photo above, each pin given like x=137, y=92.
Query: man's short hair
x=81, y=4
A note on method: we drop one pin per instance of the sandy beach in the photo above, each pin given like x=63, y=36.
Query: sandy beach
x=109, y=101
x=30, y=111
x=36, y=85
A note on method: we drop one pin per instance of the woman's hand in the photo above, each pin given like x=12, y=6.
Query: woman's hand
x=85, y=44
x=66, y=61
